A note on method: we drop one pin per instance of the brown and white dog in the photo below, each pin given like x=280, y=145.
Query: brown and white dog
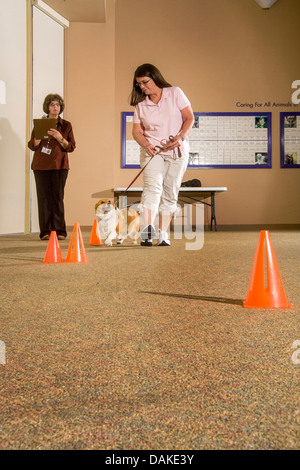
x=114, y=223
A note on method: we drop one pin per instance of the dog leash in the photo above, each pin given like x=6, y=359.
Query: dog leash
x=160, y=149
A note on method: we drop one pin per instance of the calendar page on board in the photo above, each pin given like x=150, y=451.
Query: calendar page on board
x=217, y=140
x=231, y=140
x=290, y=140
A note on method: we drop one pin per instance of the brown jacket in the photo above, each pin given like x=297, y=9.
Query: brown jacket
x=58, y=158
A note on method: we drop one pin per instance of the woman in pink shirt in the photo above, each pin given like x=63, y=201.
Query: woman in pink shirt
x=163, y=117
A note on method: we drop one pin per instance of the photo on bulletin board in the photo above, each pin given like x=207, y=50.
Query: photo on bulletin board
x=217, y=140
x=290, y=140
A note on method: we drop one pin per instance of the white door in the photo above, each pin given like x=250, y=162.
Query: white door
x=47, y=77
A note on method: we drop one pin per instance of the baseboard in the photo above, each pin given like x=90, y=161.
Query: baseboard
x=254, y=227
x=226, y=228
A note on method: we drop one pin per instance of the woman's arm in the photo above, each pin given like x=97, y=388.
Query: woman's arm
x=187, y=123
x=138, y=135
x=58, y=136
x=33, y=143
x=68, y=142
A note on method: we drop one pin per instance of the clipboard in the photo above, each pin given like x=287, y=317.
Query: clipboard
x=42, y=126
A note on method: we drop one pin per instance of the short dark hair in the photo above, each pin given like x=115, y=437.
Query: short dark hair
x=146, y=70
x=53, y=97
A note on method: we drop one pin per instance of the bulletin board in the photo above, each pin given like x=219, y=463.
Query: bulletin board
x=290, y=140
x=217, y=140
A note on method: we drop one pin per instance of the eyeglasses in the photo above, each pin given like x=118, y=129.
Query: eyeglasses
x=54, y=104
x=140, y=84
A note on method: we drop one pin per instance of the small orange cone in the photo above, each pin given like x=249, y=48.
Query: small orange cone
x=53, y=253
x=95, y=238
x=76, y=253
x=272, y=295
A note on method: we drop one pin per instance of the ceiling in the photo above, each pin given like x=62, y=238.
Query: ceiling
x=94, y=11
x=83, y=11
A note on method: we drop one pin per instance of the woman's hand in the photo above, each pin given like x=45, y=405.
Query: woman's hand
x=173, y=143
x=57, y=135
x=151, y=150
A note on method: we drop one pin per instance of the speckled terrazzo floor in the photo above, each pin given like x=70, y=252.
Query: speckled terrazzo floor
x=147, y=348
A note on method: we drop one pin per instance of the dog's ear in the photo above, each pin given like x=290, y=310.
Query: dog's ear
x=98, y=204
x=113, y=203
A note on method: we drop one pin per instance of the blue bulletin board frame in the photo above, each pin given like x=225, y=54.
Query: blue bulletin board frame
x=244, y=140
x=289, y=140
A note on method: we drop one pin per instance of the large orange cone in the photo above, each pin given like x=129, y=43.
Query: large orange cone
x=76, y=252
x=53, y=253
x=265, y=288
x=95, y=238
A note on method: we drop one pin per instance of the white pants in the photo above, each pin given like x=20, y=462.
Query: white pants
x=162, y=180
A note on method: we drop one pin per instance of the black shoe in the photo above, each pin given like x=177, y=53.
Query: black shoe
x=146, y=243
x=164, y=243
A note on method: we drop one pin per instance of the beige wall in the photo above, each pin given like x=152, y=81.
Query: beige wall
x=90, y=106
x=219, y=52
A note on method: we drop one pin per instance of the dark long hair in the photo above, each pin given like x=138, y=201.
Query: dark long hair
x=146, y=70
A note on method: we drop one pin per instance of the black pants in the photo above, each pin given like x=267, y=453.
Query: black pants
x=50, y=189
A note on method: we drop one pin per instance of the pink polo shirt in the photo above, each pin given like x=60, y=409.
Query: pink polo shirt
x=163, y=119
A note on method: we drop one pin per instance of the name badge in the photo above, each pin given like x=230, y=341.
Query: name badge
x=46, y=150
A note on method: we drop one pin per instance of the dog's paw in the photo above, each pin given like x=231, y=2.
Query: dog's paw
x=120, y=241
x=108, y=242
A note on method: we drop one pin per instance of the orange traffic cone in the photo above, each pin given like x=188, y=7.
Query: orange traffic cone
x=76, y=253
x=95, y=238
x=272, y=295
x=53, y=253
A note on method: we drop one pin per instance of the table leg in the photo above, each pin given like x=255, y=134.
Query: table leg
x=213, y=212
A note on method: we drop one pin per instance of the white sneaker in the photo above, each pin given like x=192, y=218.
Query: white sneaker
x=163, y=239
